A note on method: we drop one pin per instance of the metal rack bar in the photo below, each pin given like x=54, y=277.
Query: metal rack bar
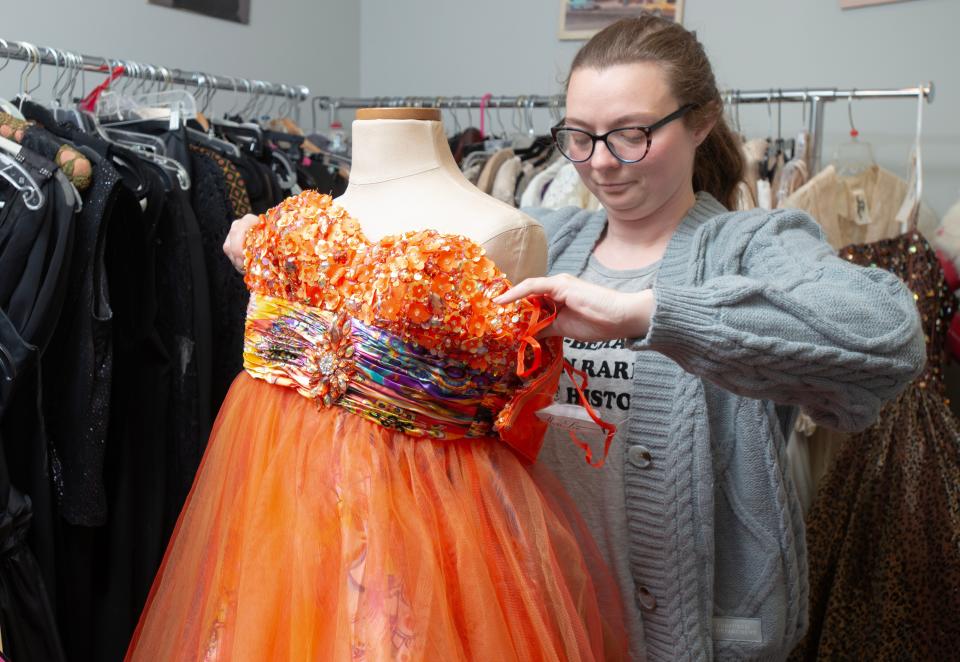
x=817, y=97
x=772, y=95
x=67, y=60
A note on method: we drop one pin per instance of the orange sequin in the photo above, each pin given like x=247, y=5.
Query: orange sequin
x=426, y=287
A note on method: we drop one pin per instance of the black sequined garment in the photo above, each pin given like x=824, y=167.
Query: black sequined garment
x=884, y=531
x=78, y=364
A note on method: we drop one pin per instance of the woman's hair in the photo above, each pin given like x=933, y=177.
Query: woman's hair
x=718, y=164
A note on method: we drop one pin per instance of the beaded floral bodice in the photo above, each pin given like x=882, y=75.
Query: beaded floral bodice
x=402, y=330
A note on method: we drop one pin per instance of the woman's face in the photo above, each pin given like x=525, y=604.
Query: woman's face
x=632, y=95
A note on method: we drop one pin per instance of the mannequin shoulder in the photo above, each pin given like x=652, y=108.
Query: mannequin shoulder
x=517, y=244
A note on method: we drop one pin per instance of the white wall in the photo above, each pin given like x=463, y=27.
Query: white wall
x=384, y=47
x=510, y=47
x=303, y=42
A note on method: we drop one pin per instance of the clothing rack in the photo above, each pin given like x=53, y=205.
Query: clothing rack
x=817, y=97
x=69, y=63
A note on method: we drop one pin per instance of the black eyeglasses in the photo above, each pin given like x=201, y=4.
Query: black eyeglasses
x=628, y=144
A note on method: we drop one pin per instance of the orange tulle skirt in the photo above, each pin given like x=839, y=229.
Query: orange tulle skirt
x=317, y=535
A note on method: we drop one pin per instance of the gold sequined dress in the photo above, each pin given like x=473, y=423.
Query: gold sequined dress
x=884, y=531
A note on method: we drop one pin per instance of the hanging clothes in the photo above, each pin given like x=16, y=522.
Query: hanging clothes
x=850, y=210
x=857, y=209
x=567, y=189
x=884, y=532
x=121, y=328
x=211, y=199
x=491, y=167
x=532, y=195
x=504, y=186
x=35, y=249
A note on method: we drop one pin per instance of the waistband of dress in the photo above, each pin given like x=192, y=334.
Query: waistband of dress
x=332, y=359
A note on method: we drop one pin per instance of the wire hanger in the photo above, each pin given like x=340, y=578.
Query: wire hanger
x=854, y=157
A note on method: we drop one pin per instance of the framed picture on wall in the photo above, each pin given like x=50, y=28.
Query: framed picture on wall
x=581, y=19
x=237, y=11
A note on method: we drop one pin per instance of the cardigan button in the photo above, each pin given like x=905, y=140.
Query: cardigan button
x=646, y=599
x=640, y=456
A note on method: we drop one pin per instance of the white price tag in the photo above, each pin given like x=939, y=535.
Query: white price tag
x=570, y=417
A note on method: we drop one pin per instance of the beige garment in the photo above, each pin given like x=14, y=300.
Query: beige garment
x=490, y=168
x=532, y=195
x=754, y=151
x=798, y=463
x=851, y=210
x=746, y=197
x=857, y=210
x=567, y=189
x=505, y=181
x=789, y=179
x=472, y=172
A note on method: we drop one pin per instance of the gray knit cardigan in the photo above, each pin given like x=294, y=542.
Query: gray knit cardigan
x=754, y=316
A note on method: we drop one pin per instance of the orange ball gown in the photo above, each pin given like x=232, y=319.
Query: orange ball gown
x=365, y=492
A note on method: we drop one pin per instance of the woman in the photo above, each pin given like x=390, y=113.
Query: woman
x=718, y=326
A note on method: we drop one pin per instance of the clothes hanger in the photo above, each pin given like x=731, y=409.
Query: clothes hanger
x=286, y=130
x=6, y=106
x=174, y=106
x=128, y=138
x=14, y=172
x=206, y=137
x=909, y=211
x=854, y=157
x=494, y=141
x=33, y=64
x=795, y=171
x=740, y=130
x=523, y=136
x=802, y=141
x=248, y=136
x=768, y=163
x=68, y=113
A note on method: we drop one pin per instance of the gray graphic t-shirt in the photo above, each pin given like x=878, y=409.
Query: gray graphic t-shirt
x=599, y=493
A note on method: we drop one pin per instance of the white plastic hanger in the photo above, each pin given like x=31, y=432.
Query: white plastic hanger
x=14, y=172
x=910, y=209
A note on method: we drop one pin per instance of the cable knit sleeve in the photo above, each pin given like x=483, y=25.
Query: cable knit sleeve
x=776, y=315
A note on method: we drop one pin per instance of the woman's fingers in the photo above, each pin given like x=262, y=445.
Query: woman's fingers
x=233, y=245
x=551, y=286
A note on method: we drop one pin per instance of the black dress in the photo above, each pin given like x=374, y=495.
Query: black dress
x=35, y=254
x=228, y=294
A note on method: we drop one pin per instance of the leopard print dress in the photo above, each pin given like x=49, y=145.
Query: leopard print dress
x=884, y=530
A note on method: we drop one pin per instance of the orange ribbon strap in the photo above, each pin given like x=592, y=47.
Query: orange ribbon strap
x=609, y=428
x=529, y=339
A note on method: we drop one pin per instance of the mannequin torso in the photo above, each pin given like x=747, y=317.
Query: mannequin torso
x=403, y=177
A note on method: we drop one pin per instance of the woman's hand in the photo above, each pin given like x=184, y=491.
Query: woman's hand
x=233, y=246
x=588, y=312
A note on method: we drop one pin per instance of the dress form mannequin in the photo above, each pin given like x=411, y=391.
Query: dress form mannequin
x=403, y=177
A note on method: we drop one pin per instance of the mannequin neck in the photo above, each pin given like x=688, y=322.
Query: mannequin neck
x=385, y=150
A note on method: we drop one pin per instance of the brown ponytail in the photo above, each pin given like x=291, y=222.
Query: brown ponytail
x=718, y=164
